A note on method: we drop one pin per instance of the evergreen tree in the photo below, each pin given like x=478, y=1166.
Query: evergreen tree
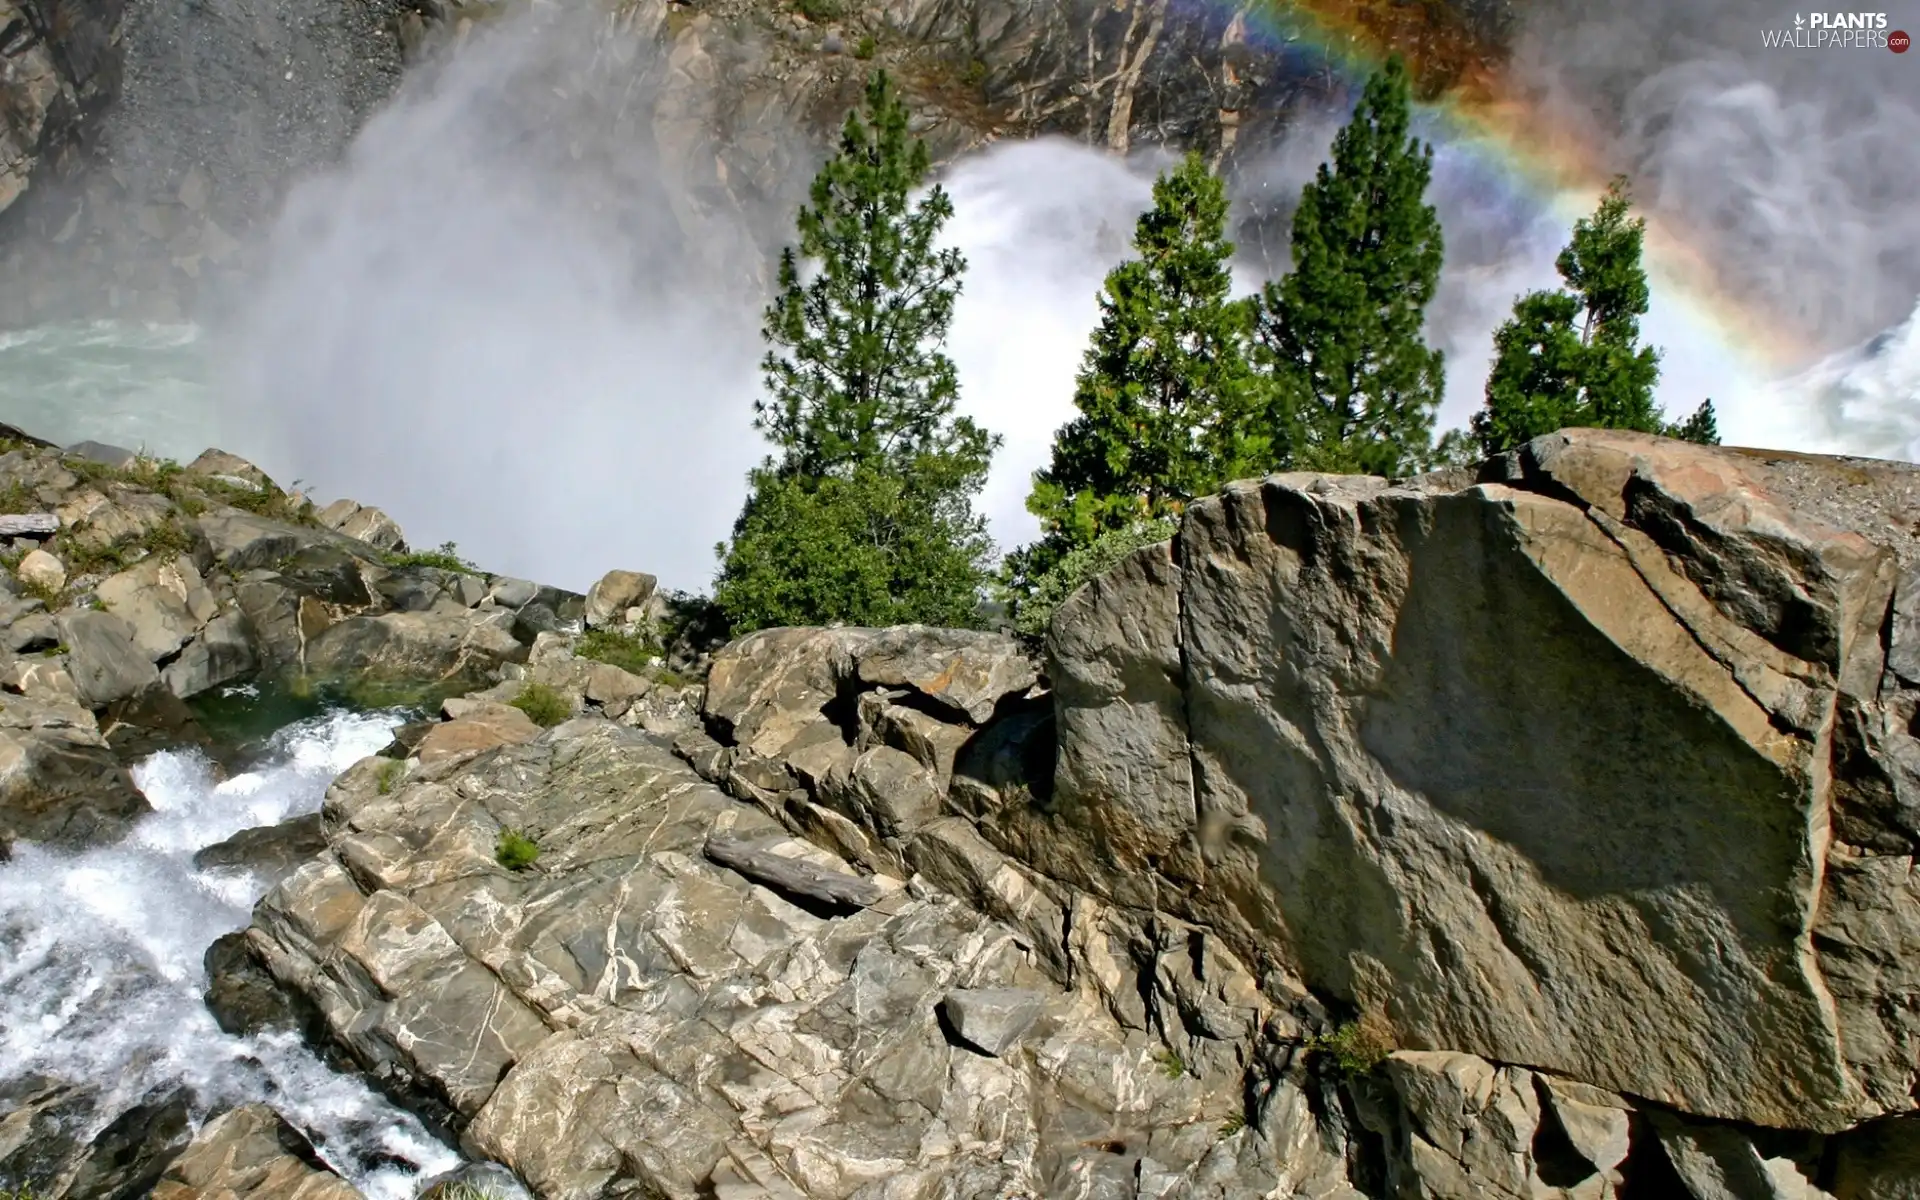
x=1353, y=385
x=864, y=511
x=1571, y=357
x=1164, y=391
x=1702, y=427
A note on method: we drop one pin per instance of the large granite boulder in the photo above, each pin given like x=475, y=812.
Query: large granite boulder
x=1558, y=770
x=444, y=643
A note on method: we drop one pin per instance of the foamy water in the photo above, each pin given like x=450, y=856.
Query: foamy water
x=101, y=978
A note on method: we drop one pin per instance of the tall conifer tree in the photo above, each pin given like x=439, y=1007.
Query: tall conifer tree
x=1164, y=392
x=1352, y=384
x=864, y=511
x=1572, y=357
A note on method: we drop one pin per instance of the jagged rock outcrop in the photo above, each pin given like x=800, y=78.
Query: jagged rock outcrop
x=174, y=582
x=646, y=1018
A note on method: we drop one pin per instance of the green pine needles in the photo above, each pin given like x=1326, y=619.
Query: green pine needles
x=864, y=511
x=1353, y=385
x=1165, y=394
x=1573, y=357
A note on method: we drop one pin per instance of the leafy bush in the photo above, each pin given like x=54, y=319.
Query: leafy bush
x=1033, y=611
x=1356, y=1047
x=865, y=48
x=516, y=851
x=543, y=706
x=628, y=651
x=446, y=558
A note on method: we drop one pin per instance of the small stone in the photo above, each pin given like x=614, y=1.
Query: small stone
x=992, y=1020
x=42, y=570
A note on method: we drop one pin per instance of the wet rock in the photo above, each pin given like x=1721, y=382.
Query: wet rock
x=992, y=1020
x=244, y=999
x=270, y=853
x=104, y=657
x=221, y=653
x=251, y=1153
x=126, y=1159
x=490, y=1180
x=615, y=593
x=59, y=780
x=283, y=616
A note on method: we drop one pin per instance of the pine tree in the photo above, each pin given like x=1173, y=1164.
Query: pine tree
x=1702, y=427
x=1352, y=384
x=1164, y=391
x=1571, y=357
x=864, y=512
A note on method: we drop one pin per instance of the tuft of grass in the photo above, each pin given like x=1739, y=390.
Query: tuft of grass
x=389, y=775
x=865, y=48
x=22, y=1192
x=975, y=73
x=16, y=498
x=454, y=1191
x=52, y=599
x=1171, y=1064
x=87, y=558
x=543, y=706
x=515, y=850
x=1233, y=1124
x=628, y=651
x=818, y=10
x=446, y=558
x=1356, y=1047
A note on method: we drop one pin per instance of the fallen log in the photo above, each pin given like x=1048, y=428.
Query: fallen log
x=792, y=876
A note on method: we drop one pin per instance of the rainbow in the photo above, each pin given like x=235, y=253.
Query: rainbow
x=1545, y=158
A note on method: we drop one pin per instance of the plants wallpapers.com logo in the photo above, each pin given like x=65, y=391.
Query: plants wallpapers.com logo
x=1837, y=31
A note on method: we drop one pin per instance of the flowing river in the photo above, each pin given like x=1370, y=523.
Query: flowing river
x=101, y=979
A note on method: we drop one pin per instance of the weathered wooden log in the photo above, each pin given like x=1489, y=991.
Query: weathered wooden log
x=29, y=525
x=792, y=876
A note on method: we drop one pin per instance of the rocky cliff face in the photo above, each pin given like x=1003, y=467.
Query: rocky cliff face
x=145, y=196
x=1543, y=833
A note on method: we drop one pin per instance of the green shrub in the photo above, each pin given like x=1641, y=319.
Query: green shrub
x=1356, y=1047
x=865, y=48
x=446, y=558
x=516, y=851
x=818, y=10
x=17, y=497
x=628, y=651
x=543, y=706
x=1171, y=1064
x=1033, y=612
